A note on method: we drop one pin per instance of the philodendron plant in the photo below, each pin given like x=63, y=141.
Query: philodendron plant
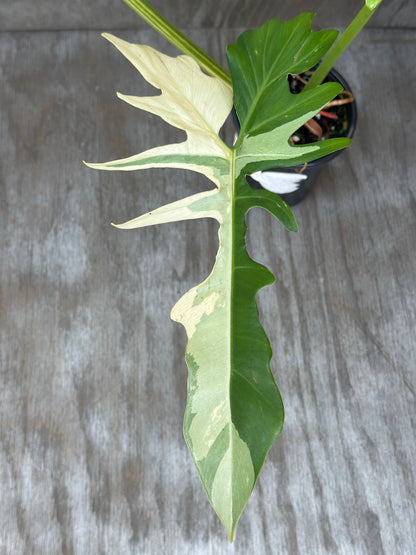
x=234, y=411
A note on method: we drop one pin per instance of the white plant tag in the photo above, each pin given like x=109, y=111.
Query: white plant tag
x=279, y=182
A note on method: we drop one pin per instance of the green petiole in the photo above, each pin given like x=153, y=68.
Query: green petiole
x=344, y=40
x=173, y=35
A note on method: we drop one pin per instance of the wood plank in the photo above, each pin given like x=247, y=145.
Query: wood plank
x=92, y=376
x=109, y=14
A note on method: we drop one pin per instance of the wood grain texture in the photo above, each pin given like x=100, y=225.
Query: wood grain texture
x=114, y=14
x=92, y=376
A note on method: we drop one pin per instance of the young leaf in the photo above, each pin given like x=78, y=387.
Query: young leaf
x=234, y=410
x=268, y=112
x=260, y=62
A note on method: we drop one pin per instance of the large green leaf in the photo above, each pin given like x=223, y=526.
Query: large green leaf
x=234, y=410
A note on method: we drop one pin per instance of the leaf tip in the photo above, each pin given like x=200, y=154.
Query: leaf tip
x=294, y=227
x=117, y=42
x=92, y=165
x=118, y=226
x=107, y=36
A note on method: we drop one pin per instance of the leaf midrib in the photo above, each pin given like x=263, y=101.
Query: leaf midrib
x=231, y=323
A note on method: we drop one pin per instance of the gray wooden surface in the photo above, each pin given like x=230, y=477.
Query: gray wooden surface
x=92, y=376
x=114, y=14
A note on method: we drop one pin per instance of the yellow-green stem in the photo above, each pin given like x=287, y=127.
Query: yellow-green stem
x=344, y=40
x=173, y=35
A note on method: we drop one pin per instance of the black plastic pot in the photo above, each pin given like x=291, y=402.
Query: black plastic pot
x=307, y=177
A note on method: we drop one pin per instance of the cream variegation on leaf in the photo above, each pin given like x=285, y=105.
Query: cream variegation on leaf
x=234, y=410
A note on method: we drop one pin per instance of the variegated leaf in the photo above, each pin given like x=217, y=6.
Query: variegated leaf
x=189, y=100
x=234, y=410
